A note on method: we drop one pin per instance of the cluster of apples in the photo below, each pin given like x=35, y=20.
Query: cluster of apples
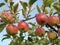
x=41, y=18
x=12, y=29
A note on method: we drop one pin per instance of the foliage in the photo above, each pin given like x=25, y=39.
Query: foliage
x=27, y=8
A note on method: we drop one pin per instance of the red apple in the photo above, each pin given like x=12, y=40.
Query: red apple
x=41, y=18
x=7, y=17
x=40, y=31
x=59, y=20
x=12, y=29
x=52, y=35
x=23, y=26
x=59, y=32
x=53, y=20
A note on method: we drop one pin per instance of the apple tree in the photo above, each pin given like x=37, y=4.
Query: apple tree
x=48, y=16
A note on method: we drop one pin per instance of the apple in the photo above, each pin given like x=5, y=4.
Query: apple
x=23, y=26
x=59, y=32
x=53, y=20
x=52, y=35
x=12, y=29
x=40, y=31
x=41, y=18
x=7, y=17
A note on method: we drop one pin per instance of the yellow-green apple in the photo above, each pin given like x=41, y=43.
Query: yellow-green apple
x=12, y=29
x=40, y=31
x=41, y=18
x=53, y=20
x=23, y=26
x=52, y=35
x=7, y=17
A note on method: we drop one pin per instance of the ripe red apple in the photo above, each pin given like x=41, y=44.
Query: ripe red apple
x=41, y=18
x=52, y=35
x=7, y=17
x=12, y=29
x=23, y=26
x=40, y=31
x=53, y=20
x=59, y=32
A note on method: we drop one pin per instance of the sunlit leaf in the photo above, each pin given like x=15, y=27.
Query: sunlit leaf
x=24, y=13
x=8, y=0
x=44, y=41
x=38, y=8
x=31, y=23
x=46, y=11
x=51, y=11
x=56, y=6
x=30, y=10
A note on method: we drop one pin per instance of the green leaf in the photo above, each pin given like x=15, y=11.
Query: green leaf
x=44, y=41
x=12, y=43
x=20, y=39
x=7, y=35
x=11, y=4
x=31, y=2
x=57, y=41
x=24, y=13
x=31, y=23
x=51, y=11
x=15, y=8
x=24, y=5
x=38, y=8
x=59, y=15
x=2, y=4
x=30, y=10
x=56, y=6
x=0, y=13
x=5, y=38
x=46, y=11
x=48, y=2
x=8, y=0
x=32, y=26
x=2, y=27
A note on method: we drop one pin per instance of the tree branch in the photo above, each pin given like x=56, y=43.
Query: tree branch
x=52, y=28
x=29, y=18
